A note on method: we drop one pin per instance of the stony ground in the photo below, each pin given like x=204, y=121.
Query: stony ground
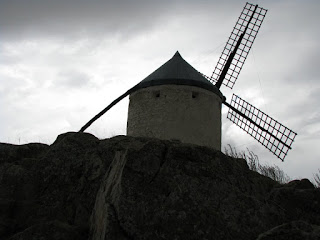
x=81, y=187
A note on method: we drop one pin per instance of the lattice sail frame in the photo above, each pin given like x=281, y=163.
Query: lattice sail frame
x=245, y=46
x=270, y=133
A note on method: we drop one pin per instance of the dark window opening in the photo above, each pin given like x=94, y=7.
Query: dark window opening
x=195, y=94
x=156, y=94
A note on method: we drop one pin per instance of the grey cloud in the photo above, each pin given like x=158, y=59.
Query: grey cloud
x=7, y=58
x=71, y=79
x=283, y=52
x=63, y=18
x=309, y=68
x=75, y=18
x=70, y=18
x=308, y=109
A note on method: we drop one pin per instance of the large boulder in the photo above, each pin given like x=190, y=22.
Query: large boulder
x=296, y=230
x=81, y=187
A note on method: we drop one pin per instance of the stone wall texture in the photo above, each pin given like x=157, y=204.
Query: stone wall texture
x=186, y=113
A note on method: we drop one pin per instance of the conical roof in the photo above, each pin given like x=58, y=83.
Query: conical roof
x=177, y=71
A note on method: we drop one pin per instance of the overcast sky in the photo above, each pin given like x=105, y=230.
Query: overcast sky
x=63, y=61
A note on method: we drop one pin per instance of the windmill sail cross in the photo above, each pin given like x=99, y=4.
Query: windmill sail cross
x=269, y=132
x=179, y=79
x=238, y=46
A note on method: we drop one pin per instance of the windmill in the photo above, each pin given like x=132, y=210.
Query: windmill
x=168, y=118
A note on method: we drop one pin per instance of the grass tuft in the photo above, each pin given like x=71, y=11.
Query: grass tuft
x=316, y=179
x=273, y=172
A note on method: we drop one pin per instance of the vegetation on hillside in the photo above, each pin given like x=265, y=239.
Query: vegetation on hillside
x=316, y=178
x=274, y=172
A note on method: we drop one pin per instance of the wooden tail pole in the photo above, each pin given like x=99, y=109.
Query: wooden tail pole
x=107, y=108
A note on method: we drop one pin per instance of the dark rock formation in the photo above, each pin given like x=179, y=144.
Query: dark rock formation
x=81, y=187
x=296, y=230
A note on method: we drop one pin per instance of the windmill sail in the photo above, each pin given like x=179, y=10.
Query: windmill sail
x=239, y=45
x=269, y=132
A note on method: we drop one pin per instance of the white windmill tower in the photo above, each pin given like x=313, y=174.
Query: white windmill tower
x=178, y=102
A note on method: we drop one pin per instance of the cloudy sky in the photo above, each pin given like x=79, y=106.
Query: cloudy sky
x=63, y=61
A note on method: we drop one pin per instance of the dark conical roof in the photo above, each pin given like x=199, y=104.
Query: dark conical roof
x=177, y=71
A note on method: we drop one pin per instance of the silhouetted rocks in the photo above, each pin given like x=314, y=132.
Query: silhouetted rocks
x=296, y=230
x=81, y=187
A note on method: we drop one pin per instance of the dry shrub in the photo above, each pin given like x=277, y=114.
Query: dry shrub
x=273, y=172
x=316, y=178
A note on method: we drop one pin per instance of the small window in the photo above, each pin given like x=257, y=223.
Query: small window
x=195, y=94
x=156, y=94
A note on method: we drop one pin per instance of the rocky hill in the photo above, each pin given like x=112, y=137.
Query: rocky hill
x=128, y=188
